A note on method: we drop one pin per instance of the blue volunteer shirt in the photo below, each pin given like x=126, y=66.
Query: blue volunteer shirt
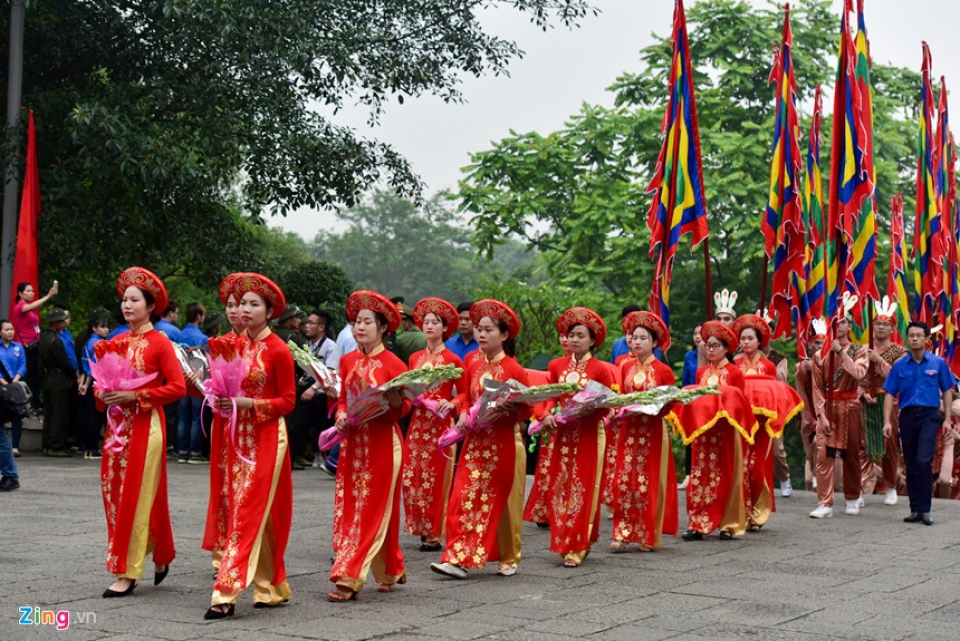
x=689, y=375
x=168, y=328
x=919, y=384
x=619, y=349
x=68, y=345
x=89, y=356
x=191, y=336
x=14, y=359
x=122, y=328
x=456, y=345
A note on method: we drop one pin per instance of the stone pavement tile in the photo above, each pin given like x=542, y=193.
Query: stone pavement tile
x=757, y=613
x=885, y=603
x=341, y=629
x=158, y=629
x=462, y=630
x=645, y=630
x=746, y=630
x=531, y=635
x=569, y=626
x=899, y=626
x=489, y=616
x=949, y=613
x=615, y=614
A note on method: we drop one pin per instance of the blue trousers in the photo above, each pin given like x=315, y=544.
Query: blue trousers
x=918, y=438
x=8, y=467
x=189, y=435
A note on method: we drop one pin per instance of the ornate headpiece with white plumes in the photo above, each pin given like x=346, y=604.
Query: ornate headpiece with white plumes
x=887, y=309
x=849, y=302
x=765, y=315
x=819, y=327
x=724, y=300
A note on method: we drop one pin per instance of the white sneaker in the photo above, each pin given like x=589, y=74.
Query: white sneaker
x=786, y=489
x=822, y=512
x=507, y=571
x=853, y=507
x=890, y=498
x=449, y=569
x=861, y=502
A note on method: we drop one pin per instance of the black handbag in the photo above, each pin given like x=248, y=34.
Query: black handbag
x=14, y=397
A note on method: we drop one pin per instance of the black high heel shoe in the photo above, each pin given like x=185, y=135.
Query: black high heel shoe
x=158, y=577
x=111, y=594
x=213, y=614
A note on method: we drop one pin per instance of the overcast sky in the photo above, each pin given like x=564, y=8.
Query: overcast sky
x=563, y=68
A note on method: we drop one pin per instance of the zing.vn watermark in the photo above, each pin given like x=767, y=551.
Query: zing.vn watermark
x=60, y=618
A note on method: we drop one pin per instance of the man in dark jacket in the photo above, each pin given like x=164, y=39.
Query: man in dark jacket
x=57, y=377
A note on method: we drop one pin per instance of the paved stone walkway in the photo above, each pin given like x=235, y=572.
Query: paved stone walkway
x=869, y=577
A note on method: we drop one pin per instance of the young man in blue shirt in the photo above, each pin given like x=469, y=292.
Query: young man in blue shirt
x=918, y=381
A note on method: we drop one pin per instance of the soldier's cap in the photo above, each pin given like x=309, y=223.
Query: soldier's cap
x=289, y=312
x=405, y=311
x=98, y=314
x=210, y=320
x=57, y=314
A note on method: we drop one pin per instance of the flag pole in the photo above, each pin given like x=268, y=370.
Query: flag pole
x=11, y=185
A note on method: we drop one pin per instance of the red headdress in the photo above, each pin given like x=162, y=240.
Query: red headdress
x=258, y=284
x=147, y=281
x=441, y=308
x=757, y=323
x=366, y=299
x=716, y=329
x=496, y=309
x=227, y=287
x=652, y=323
x=587, y=318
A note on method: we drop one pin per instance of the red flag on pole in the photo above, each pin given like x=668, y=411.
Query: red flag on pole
x=25, y=262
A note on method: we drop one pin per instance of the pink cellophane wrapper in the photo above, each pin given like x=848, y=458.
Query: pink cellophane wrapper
x=491, y=405
x=114, y=373
x=226, y=381
x=372, y=403
x=580, y=404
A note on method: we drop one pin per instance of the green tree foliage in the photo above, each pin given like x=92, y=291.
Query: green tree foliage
x=396, y=247
x=577, y=194
x=165, y=127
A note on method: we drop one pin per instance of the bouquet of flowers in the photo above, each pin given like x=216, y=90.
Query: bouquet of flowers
x=500, y=398
x=372, y=402
x=311, y=363
x=652, y=401
x=114, y=373
x=226, y=381
x=583, y=402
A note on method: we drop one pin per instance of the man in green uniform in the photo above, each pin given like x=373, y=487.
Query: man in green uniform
x=57, y=376
x=412, y=339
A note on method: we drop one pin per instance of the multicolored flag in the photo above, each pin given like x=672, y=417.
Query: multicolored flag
x=815, y=264
x=783, y=227
x=678, y=205
x=926, y=237
x=896, y=285
x=851, y=174
x=864, y=252
x=948, y=305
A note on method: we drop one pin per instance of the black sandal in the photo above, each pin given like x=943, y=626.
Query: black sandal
x=214, y=614
x=726, y=535
x=431, y=547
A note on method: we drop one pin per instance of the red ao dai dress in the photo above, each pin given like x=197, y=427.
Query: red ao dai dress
x=577, y=464
x=215, y=529
x=484, y=517
x=255, y=519
x=645, y=503
x=715, y=494
x=538, y=508
x=428, y=473
x=133, y=478
x=366, y=518
x=758, y=497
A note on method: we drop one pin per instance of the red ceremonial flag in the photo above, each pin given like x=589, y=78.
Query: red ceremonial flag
x=25, y=262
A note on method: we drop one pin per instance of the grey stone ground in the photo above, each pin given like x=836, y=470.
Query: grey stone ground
x=866, y=577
